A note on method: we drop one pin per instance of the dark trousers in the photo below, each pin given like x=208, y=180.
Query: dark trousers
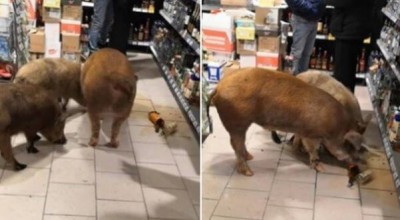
x=346, y=53
x=120, y=29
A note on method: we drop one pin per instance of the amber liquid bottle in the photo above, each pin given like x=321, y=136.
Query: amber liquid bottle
x=324, y=61
x=319, y=60
x=362, y=62
x=313, y=59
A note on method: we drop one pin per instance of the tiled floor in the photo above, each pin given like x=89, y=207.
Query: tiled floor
x=147, y=177
x=285, y=188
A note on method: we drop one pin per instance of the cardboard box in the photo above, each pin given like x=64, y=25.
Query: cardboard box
x=246, y=47
x=217, y=30
x=72, y=2
x=53, y=50
x=235, y=2
x=72, y=12
x=268, y=60
x=70, y=43
x=269, y=44
x=247, y=61
x=52, y=3
x=52, y=32
x=262, y=30
x=37, y=42
x=245, y=29
x=266, y=3
x=74, y=57
x=51, y=15
x=268, y=17
x=70, y=27
x=214, y=71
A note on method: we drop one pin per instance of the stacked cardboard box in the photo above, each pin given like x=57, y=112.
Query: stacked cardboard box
x=61, y=35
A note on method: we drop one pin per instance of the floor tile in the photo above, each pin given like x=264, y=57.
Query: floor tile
x=72, y=171
x=68, y=199
x=20, y=183
x=21, y=207
x=153, y=153
x=146, y=134
x=65, y=217
x=168, y=203
x=74, y=150
x=188, y=166
x=292, y=194
x=336, y=186
x=213, y=185
x=261, y=180
x=42, y=159
x=208, y=207
x=262, y=140
x=218, y=145
x=183, y=145
x=285, y=213
x=160, y=176
x=242, y=204
x=381, y=180
x=116, y=210
x=382, y=203
x=220, y=164
x=116, y=186
x=378, y=162
x=115, y=161
x=141, y=105
x=222, y=218
x=327, y=208
x=295, y=171
x=193, y=187
x=264, y=158
x=139, y=118
x=371, y=217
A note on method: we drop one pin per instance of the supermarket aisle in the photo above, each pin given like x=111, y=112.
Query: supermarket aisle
x=284, y=187
x=147, y=177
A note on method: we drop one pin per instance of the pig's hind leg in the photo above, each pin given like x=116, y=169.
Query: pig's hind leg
x=95, y=123
x=311, y=146
x=6, y=152
x=242, y=155
x=116, y=126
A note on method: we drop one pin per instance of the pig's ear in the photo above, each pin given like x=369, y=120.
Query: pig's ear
x=355, y=138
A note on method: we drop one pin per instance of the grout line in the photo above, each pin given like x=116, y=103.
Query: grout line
x=48, y=182
x=315, y=195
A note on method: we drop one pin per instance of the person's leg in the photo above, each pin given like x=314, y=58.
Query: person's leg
x=107, y=23
x=308, y=47
x=120, y=29
x=100, y=8
x=300, y=34
x=346, y=53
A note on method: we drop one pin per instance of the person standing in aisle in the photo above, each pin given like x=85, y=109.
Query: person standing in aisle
x=306, y=14
x=120, y=31
x=350, y=25
x=101, y=24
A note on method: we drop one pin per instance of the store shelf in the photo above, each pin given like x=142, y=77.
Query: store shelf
x=188, y=39
x=210, y=7
x=391, y=16
x=87, y=4
x=329, y=37
x=192, y=112
x=395, y=68
x=142, y=10
x=140, y=43
x=392, y=156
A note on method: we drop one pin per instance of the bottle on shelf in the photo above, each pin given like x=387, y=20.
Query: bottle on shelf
x=319, y=60
x=147, y=30
x=331, y=63
x=135, y=34
x=362, y=62
x=325, y=30
x=319, y=26
x=324, y=65
x=151, y=7
x=313, y=59
x=141, y=33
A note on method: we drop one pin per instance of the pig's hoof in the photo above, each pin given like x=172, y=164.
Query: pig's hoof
x=36, y=138
x=93, y=142
x=113, y=144
x=32, y=150
x=19, y=166
x=249, y=156
x=317, y=165
x=245, y=171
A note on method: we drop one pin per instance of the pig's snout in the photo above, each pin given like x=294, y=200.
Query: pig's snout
x=62, y=140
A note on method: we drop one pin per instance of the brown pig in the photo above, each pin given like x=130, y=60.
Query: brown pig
x=61, y=77
x=28, y=109
x=109, y=88
x=279, y=101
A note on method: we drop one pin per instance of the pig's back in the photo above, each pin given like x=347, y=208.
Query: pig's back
x=108, y=80
x=279, y=101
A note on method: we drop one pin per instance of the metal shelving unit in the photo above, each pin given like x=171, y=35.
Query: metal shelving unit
x=186, y=37
x=392, y=17
x=140, y=43
x=392, y=156
x=395, y=68
x=192, y=112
